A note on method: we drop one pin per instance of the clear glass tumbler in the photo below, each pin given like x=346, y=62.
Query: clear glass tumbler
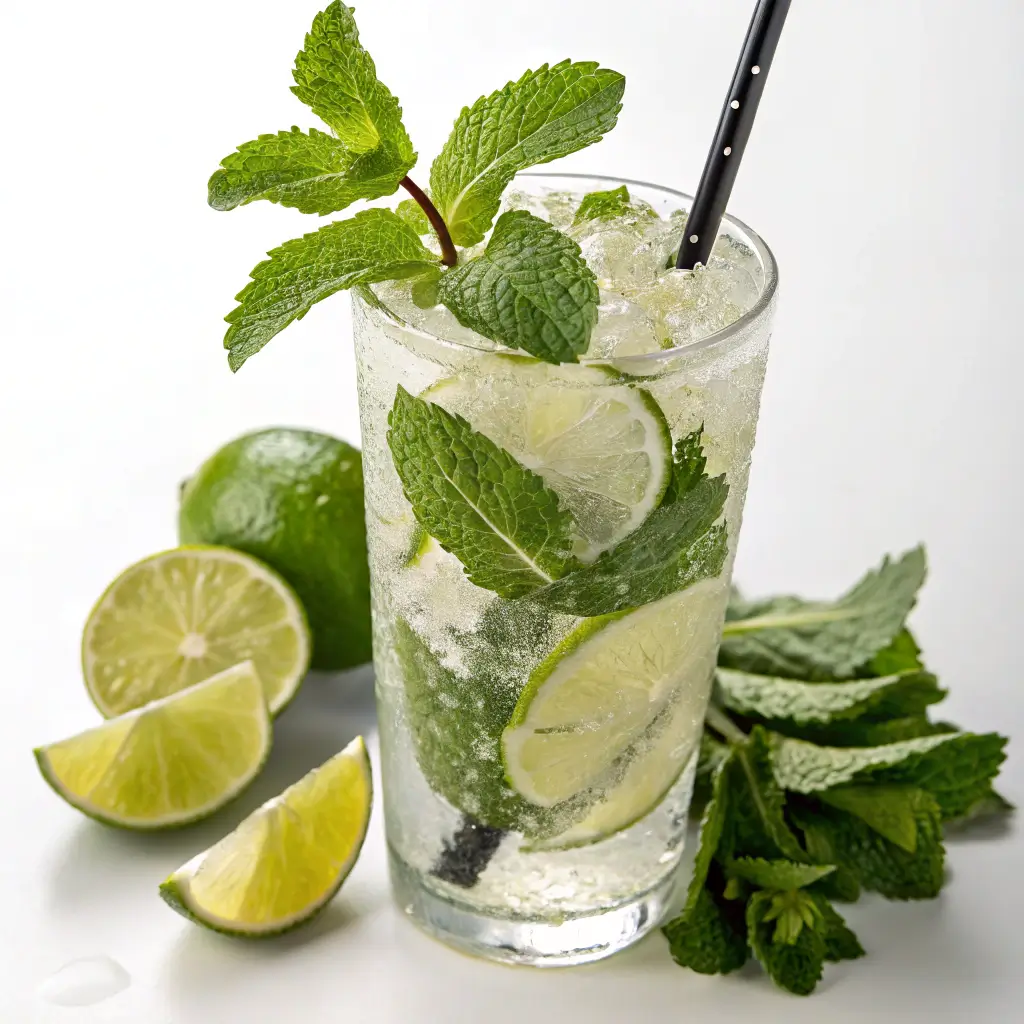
x=480, y=859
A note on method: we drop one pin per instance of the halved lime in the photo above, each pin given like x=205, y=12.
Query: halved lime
x=171, y=762
x=601, y=690
x=183, y=615
x=287, y=860
x=603, y=446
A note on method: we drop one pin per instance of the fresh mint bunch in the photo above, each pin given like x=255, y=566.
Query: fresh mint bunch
x=822, y=781
x=529, y=289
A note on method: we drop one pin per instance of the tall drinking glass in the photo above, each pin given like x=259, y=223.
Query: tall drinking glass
x=538, y=765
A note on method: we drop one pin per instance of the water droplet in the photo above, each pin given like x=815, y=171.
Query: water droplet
x=85, y=982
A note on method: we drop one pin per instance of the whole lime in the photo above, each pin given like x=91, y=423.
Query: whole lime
x=293, y=499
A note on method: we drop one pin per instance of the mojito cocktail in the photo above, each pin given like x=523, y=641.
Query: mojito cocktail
x=557, y=428
x=550, y=548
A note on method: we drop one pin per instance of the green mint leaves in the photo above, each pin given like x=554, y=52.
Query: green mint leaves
x=375, y=245
x=366, y=157
x=548, y=113
x=336, y=78
x=530, y=289
x=496, y=516
x=513, y=537
x=820, y=641
x=604, y=205
x=822, y=789
x=677, y=546
x=310, y=171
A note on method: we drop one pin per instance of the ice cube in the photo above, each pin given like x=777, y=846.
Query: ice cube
x=561, y=207
x=618, y=253
x=623, y=329
x=517, y=199
x=689, y=305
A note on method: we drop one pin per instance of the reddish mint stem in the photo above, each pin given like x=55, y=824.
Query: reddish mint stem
x=449, y=257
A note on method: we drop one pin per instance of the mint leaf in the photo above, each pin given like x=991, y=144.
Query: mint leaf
x=785, y=700
x=688, y=465
x=495, y=515
x=375, y=245
x=755, y=825
x=337, y=79
x=987, y=802
x=840, y=941
x=412, y=213
x=865, y=732
x=880, y=865
x=706, y=936
x=824, y=641
x=889, y=810
x=956, y=768
x=530, y=289
x=777, y=874
x=792, y=954
x=603, y=205
x=312, y=172
x=902, y=655
x=548, y=113
x=675, y=547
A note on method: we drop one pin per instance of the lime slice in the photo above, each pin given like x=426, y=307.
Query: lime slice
x=653, y=768
x=602, y=688
x=181, y=616
x=604, y=447
x=171, y=762
x=287, y=860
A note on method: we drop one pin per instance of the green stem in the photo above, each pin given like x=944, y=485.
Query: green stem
x=449, y=256
x=724, y=725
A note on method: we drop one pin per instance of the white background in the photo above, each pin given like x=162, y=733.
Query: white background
x=885, y=172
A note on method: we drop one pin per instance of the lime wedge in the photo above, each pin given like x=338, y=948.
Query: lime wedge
x=602, y=689
x=287, y=860
x=183, y=615
x=604, y=447
x=171, y=762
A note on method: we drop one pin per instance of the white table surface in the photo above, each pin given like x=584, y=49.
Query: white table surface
x=891, y=415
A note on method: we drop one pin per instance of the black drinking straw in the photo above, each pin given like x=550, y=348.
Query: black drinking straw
x=734, y=126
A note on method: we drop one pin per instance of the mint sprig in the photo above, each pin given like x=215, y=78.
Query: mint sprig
x=791, y=823
x=530, y=289
x=375, y=245
x=546, y=114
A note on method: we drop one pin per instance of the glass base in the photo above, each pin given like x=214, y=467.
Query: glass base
x=573, y=939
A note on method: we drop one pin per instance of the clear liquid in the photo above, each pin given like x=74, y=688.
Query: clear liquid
x=441, y=752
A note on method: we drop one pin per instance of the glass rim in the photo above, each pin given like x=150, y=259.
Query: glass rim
x=718, y=338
